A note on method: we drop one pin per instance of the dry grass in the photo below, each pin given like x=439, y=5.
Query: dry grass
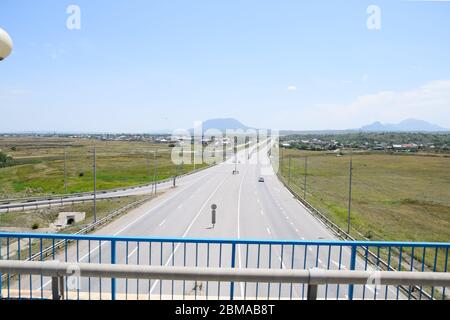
x=405, y=198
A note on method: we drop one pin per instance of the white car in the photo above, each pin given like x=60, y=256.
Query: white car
x=261, y=179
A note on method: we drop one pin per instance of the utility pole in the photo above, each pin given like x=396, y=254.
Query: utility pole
x=148, y=165
x=155, y=171
x=65, y=171
x=182, y=161
x=306, y=174
x=289, y=173
x=194, y=158
x=95, y=186
x=235, y=154
x=349, y=194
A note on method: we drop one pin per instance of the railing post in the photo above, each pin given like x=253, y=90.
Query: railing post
x=57, y=288
x=352, y=267
x=233, y=264
x=311, y=292
x=113, y=261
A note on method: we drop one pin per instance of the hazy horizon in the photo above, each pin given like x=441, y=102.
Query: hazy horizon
x=170, y=130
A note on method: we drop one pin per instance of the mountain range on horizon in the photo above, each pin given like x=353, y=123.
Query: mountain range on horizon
x=408, y=125
x=223, y=124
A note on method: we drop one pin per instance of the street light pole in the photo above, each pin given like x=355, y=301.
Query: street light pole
x=95, y=186
x=349, y=195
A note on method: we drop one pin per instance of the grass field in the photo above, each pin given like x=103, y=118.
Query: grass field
x=394, y=197
x=40, y=168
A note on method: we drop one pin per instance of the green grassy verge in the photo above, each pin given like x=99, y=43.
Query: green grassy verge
x=39, y=168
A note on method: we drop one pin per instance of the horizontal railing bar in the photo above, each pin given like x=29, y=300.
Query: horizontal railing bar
x=228, y=241
x=313, y=276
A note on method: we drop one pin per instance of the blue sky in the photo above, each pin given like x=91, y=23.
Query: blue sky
x=139, y=66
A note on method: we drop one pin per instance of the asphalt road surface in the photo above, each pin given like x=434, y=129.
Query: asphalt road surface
x=246, y=209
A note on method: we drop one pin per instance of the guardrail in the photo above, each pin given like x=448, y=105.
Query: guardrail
x=222, y=253
x=312, y=278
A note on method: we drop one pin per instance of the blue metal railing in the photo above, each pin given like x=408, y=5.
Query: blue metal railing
x=275, y=254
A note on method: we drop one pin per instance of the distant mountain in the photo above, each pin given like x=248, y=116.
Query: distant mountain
x=223, y=124
x=409, y=125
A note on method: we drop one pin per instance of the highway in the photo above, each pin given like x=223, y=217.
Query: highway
x=246, y=209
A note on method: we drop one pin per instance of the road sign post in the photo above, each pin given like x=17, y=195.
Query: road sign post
x=213, y=214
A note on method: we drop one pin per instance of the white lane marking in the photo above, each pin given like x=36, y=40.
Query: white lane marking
x=164, y=221
x=337, y=264
x=283, y=266
x=320, y=261
x=268, y=231
x=132, y=252
x=239, y=226
x=310, y=249
x=262, y=212
x=188, y=229
x=129, y=225
x=369, y=288
x=180, y=206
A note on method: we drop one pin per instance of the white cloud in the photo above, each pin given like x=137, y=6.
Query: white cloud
x=429, y=102
x=292, y=88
